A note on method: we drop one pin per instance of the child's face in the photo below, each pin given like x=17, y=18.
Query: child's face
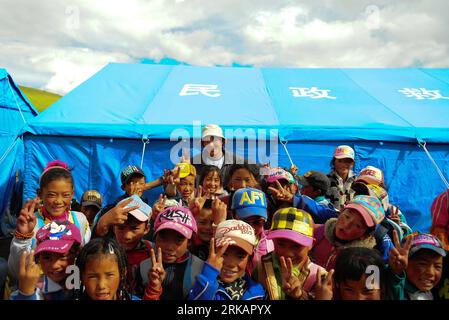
x=424, y=269
x=57, y=196
x=186, y=187
x=135, y=185
x=342, y=166
x=90, y=212
x=257, y=222
x=358, y=290
x=212, y=182
x=173, y=245
x=235, y=260
x=350, y=226
x=204, y=222
x=101, y=277
x=242, y=178
x=54, y=264
x=129, y=235
x=290, y=249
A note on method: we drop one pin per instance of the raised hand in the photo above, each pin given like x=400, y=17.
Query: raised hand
x=294, y=169
x=291, y=284
x=174, y=179
x=398, y=259
x=215, y=258
x=159, y=206
x=280, y=193
x=197, y=203
x=219, y=211
x=185, y=156
x=119, y=214
x=156, y=274
x=394, y=215
x=324, y=284
x=27, y=219
x=29, y=273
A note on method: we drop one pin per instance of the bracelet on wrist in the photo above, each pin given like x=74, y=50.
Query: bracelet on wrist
x=20, y=235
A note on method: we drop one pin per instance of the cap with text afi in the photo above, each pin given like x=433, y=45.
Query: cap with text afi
x=370, y=208
x=212, y=130
x=185, y=169
x=425, y=241
x=371, y=175
x=238, y=232
x=129, y=172
x=176, y=218
x=249, y=202
x=292, y=224
x=57, y=236
x=343, y=152
x=92, y=198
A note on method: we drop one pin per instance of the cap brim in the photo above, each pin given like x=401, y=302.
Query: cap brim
x=274, y=179
x=90, y=203
x=362, y=211
x=244, y=213
x=248, y=247
x=440, y=251
x=185, y=232
x=139, y=215
x=291, y=235
x=344, y=157
x=57, y=246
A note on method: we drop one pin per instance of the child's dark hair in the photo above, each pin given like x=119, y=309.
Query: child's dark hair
x=104, y=246
x=205, y=172
x=55, y=170
x=254, y=169
x=352, y=263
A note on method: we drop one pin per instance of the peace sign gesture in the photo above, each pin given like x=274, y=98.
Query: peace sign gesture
x=156, y=274
x=29, y=273
x=394, y=214
x=197, y=203
x=27, y=219
x=215, y=258
x=291, y=284
x=219, y=211
x=185, y=156
x=280, y=193
x=398, y=259
x=324, y=284
x=159, y=206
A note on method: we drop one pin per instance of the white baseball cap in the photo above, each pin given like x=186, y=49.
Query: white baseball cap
x=212, y=130
x=241, y=233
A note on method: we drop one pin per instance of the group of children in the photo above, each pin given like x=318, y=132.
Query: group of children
x=242, y=236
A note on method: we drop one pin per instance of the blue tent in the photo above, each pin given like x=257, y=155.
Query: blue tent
x=99, y=127
x=16, y=111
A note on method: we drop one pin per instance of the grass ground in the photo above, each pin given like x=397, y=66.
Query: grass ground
x=40, y=99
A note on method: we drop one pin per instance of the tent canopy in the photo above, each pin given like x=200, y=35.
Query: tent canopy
x=15, y=112
x=132, y=100
x=98, y=127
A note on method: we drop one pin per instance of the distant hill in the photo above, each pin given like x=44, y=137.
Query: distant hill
x=40, y=99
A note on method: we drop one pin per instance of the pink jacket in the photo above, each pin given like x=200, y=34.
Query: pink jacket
x=440, y=211
x=263, y=247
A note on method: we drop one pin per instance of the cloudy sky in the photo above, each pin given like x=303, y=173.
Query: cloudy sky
x=56, y=45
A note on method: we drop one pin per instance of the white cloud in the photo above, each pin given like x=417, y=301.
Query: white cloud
x=57, y=45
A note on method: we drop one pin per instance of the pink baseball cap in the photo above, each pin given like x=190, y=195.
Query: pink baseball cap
x=370, y=208
x=342, y=152
x=57, y=236
x=176, y=218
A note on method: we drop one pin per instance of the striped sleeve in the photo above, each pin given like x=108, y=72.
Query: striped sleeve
x=440, y=210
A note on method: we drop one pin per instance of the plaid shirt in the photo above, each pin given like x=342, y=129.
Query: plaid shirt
x=340, y=193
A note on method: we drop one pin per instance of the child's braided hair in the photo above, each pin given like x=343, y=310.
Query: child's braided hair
x=103, y=246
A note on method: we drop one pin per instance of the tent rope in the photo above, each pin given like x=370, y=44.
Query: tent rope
x=422, y=144
x=17, y=104
x=8, y=150
x=145, y=141
x=284, y=144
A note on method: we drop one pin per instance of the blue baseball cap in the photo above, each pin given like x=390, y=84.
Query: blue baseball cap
x=249, y=202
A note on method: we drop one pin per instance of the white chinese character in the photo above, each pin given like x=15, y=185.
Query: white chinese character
x=422, y=93
x=313, y=93
x=210, y=90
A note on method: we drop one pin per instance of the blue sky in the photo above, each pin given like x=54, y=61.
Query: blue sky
x=56, y=45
